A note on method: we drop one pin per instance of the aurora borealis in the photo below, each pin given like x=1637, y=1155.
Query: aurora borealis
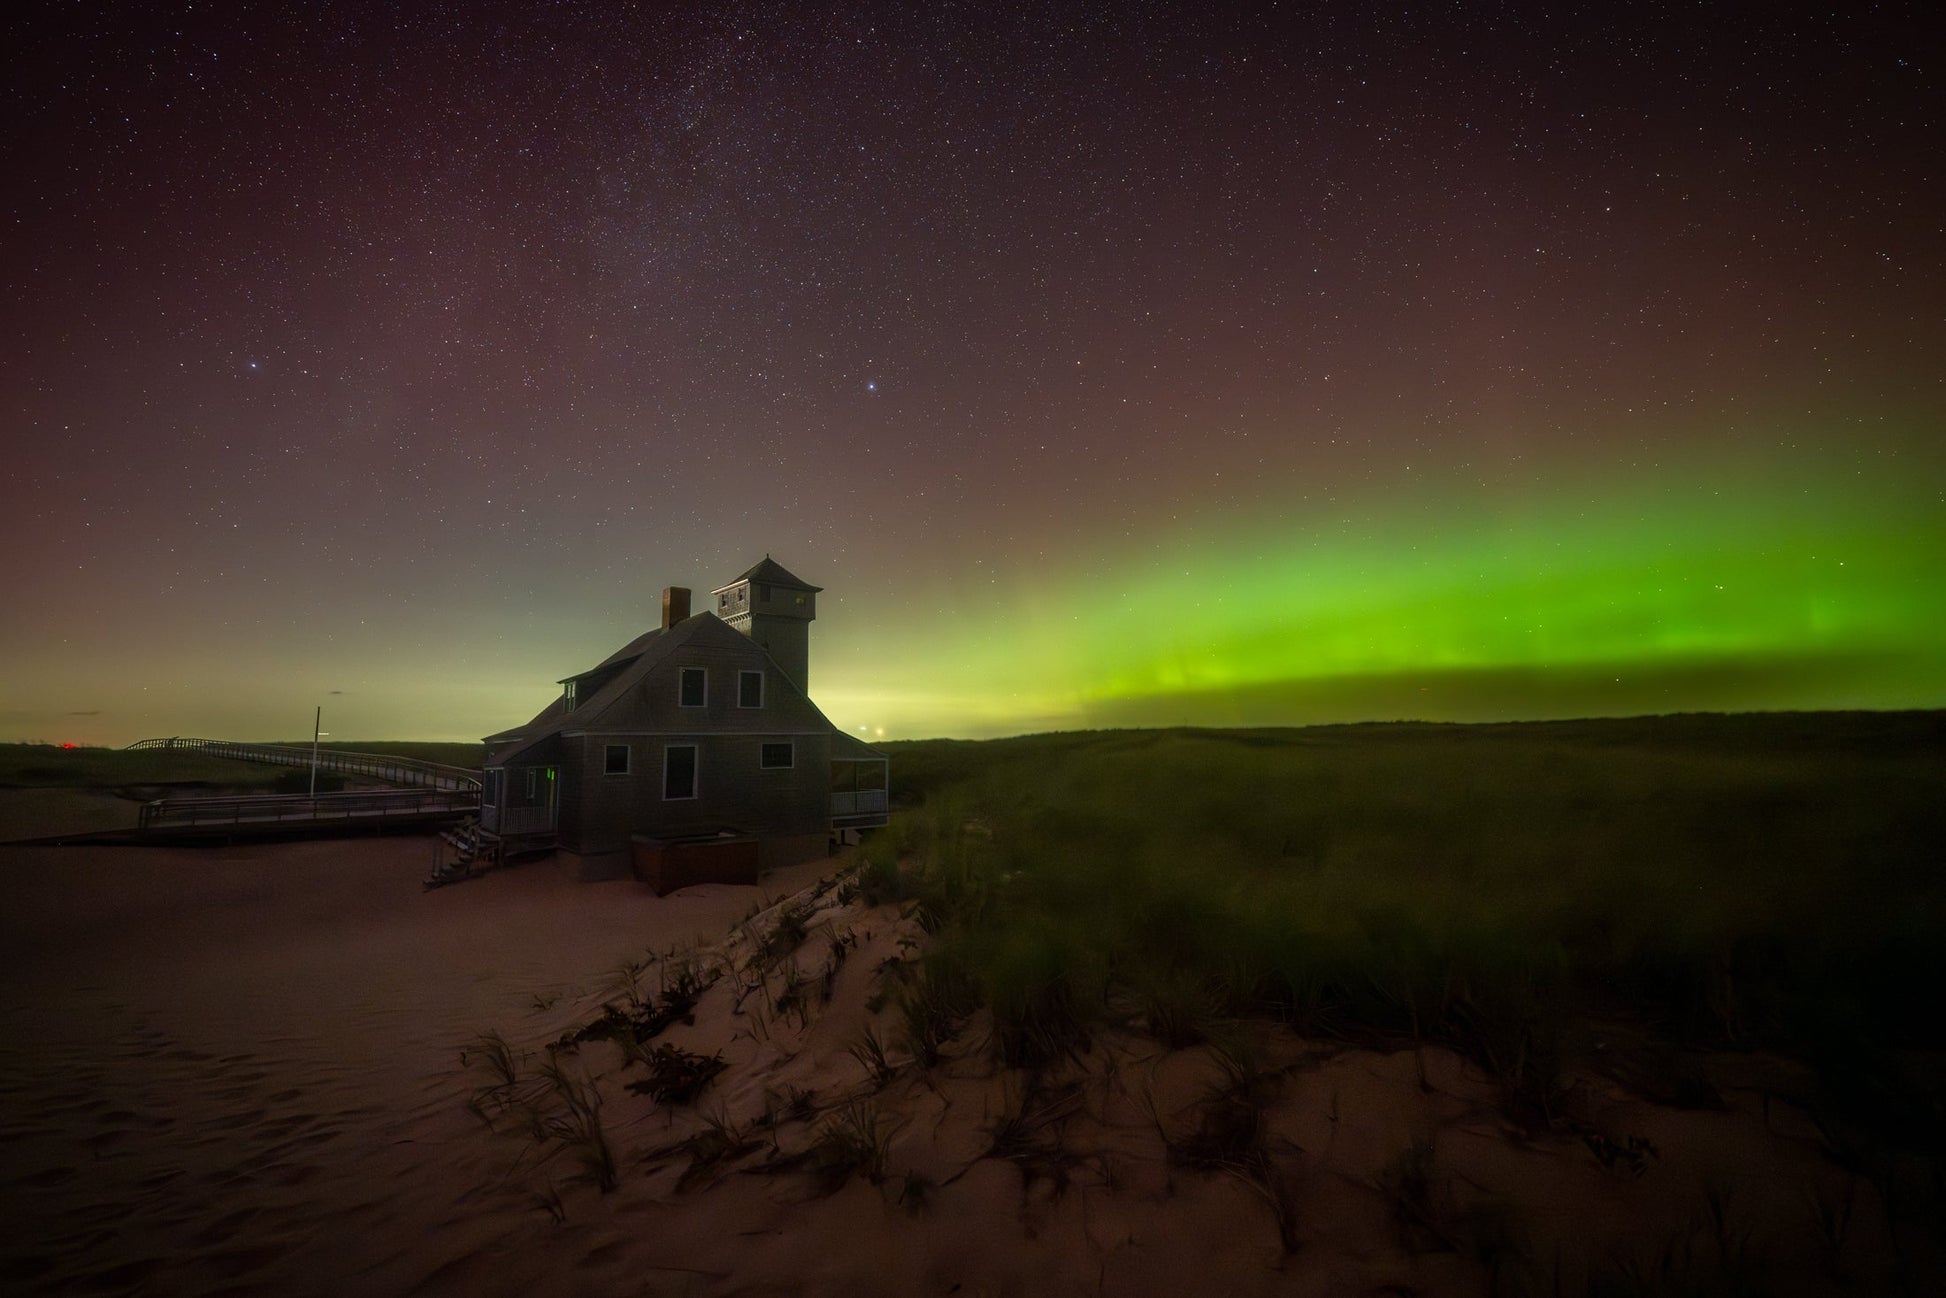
x=1110, y=365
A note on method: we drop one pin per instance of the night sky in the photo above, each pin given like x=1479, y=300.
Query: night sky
x=1107, y=364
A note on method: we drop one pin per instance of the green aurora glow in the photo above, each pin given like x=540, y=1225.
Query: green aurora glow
x=1817, y=591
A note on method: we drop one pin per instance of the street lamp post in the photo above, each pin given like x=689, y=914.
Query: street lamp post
x=317, y=723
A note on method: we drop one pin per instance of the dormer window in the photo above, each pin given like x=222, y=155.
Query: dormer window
x=567, y=695
x=694, y=690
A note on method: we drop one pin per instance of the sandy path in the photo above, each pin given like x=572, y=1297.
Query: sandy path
x=236, y=1070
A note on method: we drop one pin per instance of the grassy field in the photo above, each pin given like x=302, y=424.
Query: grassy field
x=47, y=766
x=1722, y=882
x=50, y=766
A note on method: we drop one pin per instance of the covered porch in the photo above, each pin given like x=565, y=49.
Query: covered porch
x=859, y=785
x=520, y=791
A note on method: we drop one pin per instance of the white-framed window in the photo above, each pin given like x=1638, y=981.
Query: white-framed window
x=615, y=760
x=693, y=691
x=678, y=772
x=777, y=757
x=750, y=689
x=567, y=694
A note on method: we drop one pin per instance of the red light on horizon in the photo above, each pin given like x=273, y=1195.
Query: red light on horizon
x=67, y=745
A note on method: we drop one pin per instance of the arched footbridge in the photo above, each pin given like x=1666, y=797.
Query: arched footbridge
x=424, y=792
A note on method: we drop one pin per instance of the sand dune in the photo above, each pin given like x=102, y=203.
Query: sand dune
x=238, y=1071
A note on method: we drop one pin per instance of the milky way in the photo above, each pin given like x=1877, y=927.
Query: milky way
x=1107, y=365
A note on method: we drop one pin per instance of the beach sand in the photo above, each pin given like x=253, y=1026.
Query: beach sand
x=238, y=1070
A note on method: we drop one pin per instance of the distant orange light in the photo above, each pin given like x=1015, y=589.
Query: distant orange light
x=67, y=745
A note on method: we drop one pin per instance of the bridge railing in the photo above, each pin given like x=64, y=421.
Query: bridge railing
x=407, y=771
x=324, y=808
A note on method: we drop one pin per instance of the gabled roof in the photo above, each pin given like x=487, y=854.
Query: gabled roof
x=638, y=659
x=549, y=713
x=773, y=572
x=633, y=649
x=648, y=649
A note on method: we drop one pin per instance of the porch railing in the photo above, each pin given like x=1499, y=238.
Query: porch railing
x=859, y=803
x=510, y=821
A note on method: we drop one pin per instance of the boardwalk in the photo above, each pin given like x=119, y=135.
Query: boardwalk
x=293, y=811
x=431, y=792
x=408, y=772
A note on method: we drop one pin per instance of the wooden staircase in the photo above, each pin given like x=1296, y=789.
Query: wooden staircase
x=474, y=852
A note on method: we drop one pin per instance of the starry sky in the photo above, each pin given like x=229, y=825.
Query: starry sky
x=1107, y=364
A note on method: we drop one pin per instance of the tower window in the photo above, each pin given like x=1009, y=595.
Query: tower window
x=694, y=691
x=750, y=689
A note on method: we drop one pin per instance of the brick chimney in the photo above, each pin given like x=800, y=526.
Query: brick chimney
x=675, y=605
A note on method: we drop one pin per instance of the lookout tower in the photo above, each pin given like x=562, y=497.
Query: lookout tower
x=775, y=609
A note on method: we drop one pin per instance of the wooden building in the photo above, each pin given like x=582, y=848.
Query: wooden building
x=697, y=732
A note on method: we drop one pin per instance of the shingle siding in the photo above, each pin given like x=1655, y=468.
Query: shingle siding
x=733, y=789
x=633, y=699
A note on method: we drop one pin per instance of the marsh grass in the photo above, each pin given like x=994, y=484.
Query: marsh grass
x=50, y=766
x=573, y=1122
x=505, y=1084
x=1030, y=1132
x=556, y=1111
x=1410, y=1183
x=1230, y=1135
x=676, y=1076
x=53, y=766
x=852, y=1141
x=784, y=936
x=635, y=1018
x=869, y=1051
x=1749, y=881
x=1832, y=1217
x=1711, y=1255
x=720, y=1143
x=934, y=1003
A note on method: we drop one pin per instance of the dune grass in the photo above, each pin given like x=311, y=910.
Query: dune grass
x=1735, y=881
